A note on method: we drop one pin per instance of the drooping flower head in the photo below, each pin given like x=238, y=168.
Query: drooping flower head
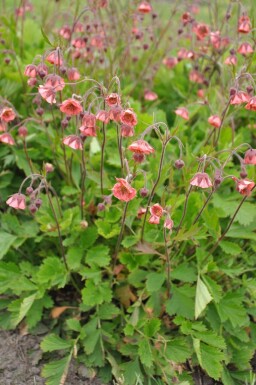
x=73, y=74
x=251, y=105
x=245, y=49
x=240, y=97
x=103, y=116
x=182, y=112
x=168, y=223
x=144, y=7
x=113, y=100
x=88, y=127
x=150, y=95
x=17, y=201
x=73, y=141
x=156, y=210
x=123, y=191
x=7, y=139
x=30, y=71
x=244, y=186
x=201, y=179
x=201, y=30
x=55, y=57
x=214, y=121
x=7, y=114
x=128, y=117
x=141, y=147
x=244, y=24
x=126, y=130
x=71, y=107
x=250, y=156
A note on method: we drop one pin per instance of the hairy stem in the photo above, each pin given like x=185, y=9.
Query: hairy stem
x=168, y=262
x=204, y=206
x=120, y=234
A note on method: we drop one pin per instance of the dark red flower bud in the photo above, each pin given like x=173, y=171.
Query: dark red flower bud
x=143, y=192
x=179, y=163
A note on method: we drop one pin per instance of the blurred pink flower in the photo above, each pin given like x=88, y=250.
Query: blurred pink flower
x=17, y=201
x=201, y=179
x=150, y=95
x=244, y=186
x=182, y=112
x=141, y=147
x=7, y=114
x=7, y=139
x=250, y=156
x=128, y=117
x=71, y=107
x=73, y=141
x=144, y=7
x=123, y=191
x=113, y=100
x=214, y=121
x=156, y=210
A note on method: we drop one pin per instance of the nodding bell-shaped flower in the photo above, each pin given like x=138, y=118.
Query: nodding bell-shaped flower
x=88, y=127
x=251, y=105
x=71, y=107
x=73, y=141
x=168, y=224
x=201, y=30
x=150, y=95
x=7, y=139
x=214, y=121
x=127, y=131
x=202, y=180
x=123, y=191
x=244, y=24
x=244, y=186
x=73, y=74
x=144, y=7
x=7, y=114
x=55, y=57
x=245, y=49
x=128, y=117
x=113, y=100
x=240, y=97
x=17, y=201
x=250, y=156
x=156, y=210
x=182, y=112
x=103, y=116
x=231, y=60
x=154, y=220
x=141, y=212
x=170, y=62
x=141, y=147
x=30, y=71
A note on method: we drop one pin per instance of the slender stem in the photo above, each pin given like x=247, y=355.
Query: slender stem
x=120, y=234
x=119, y=144
x=168, y=261
x=224, y=113
x=184, y=209
x=102, y=153
x=27, y=156
x=204, y=206
x=154, y=188
x=229, y=225
x=83, y=176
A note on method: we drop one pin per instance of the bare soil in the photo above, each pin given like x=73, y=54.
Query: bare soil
x=21, y=362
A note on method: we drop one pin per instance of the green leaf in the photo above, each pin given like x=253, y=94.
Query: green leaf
x=98, y=255
x=73, y=324
x=108, y=311
x=56, y=371
x=132, y=371
x=177, y=350
x=74, y=257
x=6, y=241
x=94, y=294
x=230, y=308
x=129, y=241
x=52, y=271
x=230, y=248
x=45, y=37
x=152, y=327
x=210, y=358
x=182, y=301
x=53, y=342
x=203, y=297
x=214, y=289
x=154, y=281
x=184, y=272
x=145, y=353
x=24, y=308
x=107, y=230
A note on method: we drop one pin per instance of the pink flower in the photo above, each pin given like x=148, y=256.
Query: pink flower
x=201, y=30
x=141, y=212
x=201, y=179
x=56, y=82
x=73, y=141
x=17, y=201
x=185, y=54
x=123, y=191
x=126, y=130
x=170, y=62
x=244, y=186
x=73, y=74
x=182, y=112
x=55, y=58
x=156, y=210
x=250, y=156
x=30, y=71
x=244, y=24
x=240, y=97
x=23, y=131
x=186, y=18
x=144, y=7
x=215, y=39
x=65, y=32
x=196, y=77
x=79, y=42
x=103, y=116
x=113, y=100
x=251, y=105
x=88, y=127
x=231, y=60
x=7, y=114
x=7, y=139
x=115, y=113
x=150, y=95
x=53, y=84
x=154, y=220
x=141, y=147
x=245, y=49
x=47, y=93
x=71, y=107
x=3, y=126
x=128, y=117
x=214, y=121
x=168, y=224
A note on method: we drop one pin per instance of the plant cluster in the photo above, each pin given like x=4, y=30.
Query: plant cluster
x=127, y=216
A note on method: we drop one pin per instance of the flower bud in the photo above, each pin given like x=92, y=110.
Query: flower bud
x=179, y=163
x=38, y=202
x=143, y=192
x=83, y=224
x=101, y=207
x=64, y=123
x=49, y=167
x=243, y=174
x=23, y=131
x=33, y=209
x=29, y=190
x=40, y=111
x=7, y=60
